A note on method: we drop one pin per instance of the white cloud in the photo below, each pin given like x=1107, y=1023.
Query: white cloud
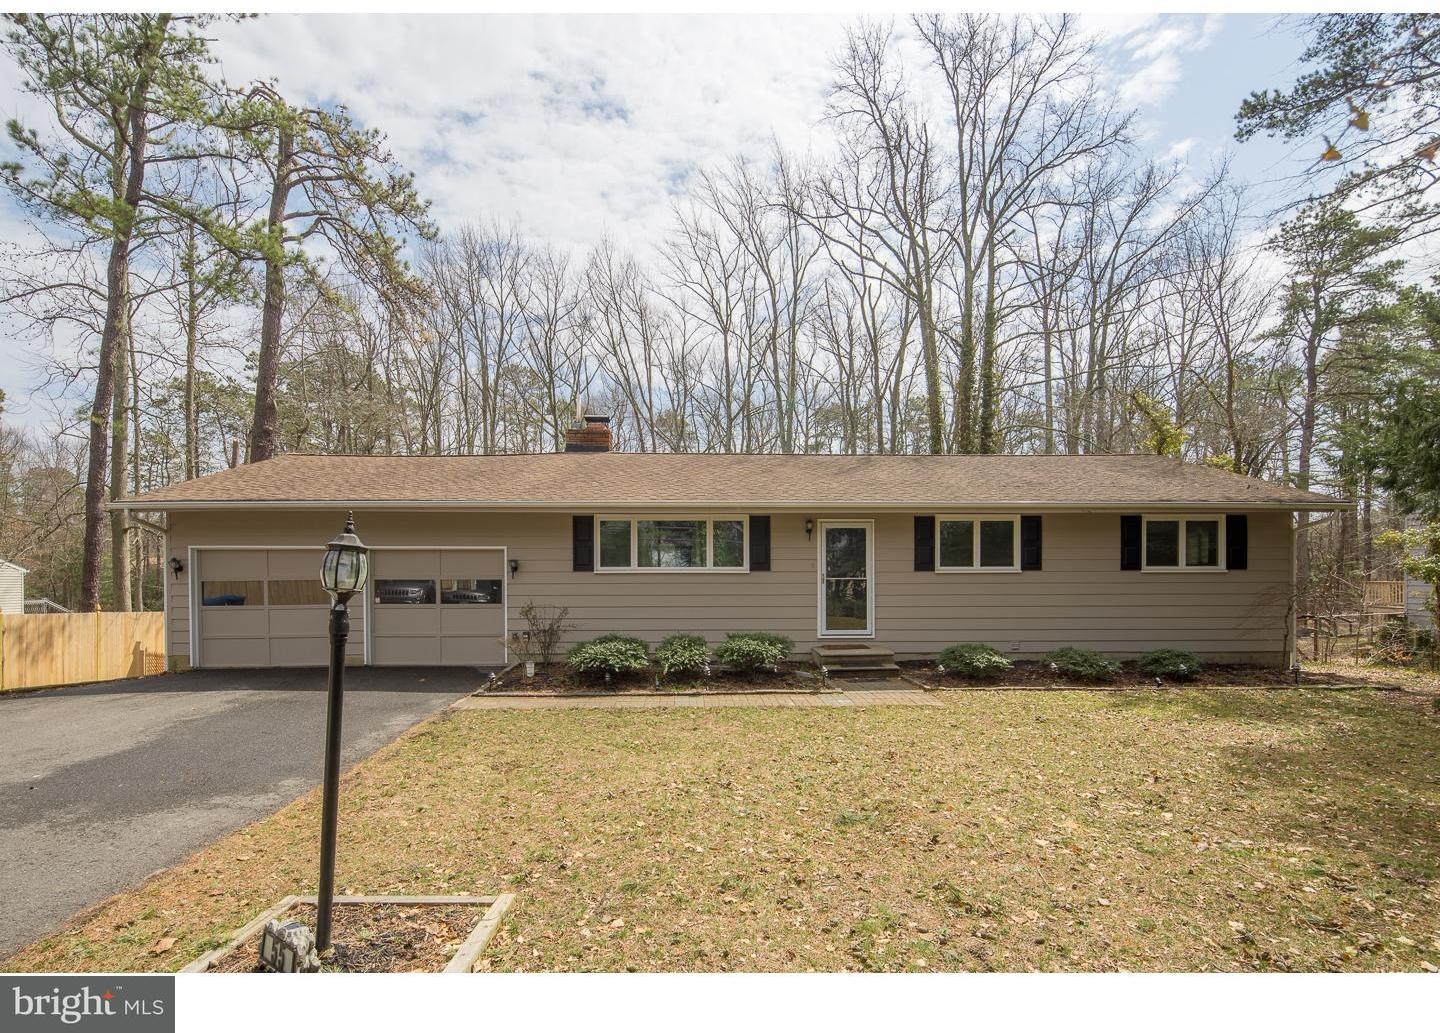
x=1158, y=46
x=574, y=126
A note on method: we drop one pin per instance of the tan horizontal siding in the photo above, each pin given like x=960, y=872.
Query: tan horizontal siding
x=1081, y=597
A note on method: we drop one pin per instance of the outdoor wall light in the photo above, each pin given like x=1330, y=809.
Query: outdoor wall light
x=809, y=527
x=514, y=567
x=177, y=566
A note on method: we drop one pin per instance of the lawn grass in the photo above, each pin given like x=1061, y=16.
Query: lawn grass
x=1180, y=830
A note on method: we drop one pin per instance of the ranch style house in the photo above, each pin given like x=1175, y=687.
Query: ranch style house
x=1028, y=553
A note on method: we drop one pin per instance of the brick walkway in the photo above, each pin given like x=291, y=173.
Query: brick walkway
x=856, y=694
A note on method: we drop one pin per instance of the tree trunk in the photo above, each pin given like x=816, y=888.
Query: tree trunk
x=113, y=336
x=192, y=332
x=930, y=350
x=265, y=427
x=964, y=436
x=989, y=377
x=1302, y=457
x=97, y=468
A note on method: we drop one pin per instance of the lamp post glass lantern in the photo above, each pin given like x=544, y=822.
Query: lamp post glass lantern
x=346, y=564
x=343, y=572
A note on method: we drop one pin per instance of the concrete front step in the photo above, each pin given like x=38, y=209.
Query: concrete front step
x=861, y=671
x=853, y=656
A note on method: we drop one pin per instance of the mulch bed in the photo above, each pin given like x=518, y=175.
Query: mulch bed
x=377, y=937
x=557, y=679
x=1034, y=675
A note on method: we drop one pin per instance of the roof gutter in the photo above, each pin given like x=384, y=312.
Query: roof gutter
x=140, y=506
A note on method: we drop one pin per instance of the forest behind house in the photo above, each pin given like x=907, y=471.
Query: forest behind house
x=987, y=259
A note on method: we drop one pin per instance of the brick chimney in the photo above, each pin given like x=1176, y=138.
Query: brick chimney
x=591, y=436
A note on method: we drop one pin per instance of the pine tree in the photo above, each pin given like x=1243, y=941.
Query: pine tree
x=124, y=90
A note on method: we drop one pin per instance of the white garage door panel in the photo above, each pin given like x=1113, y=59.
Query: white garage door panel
x=234, y=621
x=299, y=652
x=389, y=652
x=305, y=621
x=232, y=565
x=451, y=634
x=400, y=619
x=295, y=564
x=458, y=563
x=456, y=651
x=480, y=619
x=236, y=652
x=404, y=563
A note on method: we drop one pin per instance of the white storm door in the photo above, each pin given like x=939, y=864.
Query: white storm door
x=846, y=565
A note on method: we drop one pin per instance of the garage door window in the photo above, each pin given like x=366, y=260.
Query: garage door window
x=404, y=592
x=232, y=593
x=297, y=592
x=469, y=591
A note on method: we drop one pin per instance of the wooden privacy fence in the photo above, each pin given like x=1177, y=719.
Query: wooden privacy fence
x=40, y=649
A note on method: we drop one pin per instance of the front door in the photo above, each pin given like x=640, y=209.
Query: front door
x=845, y=565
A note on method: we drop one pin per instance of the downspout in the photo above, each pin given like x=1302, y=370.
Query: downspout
x=1293, y=659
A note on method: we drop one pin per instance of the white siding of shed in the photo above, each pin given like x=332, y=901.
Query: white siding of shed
x=12, y=588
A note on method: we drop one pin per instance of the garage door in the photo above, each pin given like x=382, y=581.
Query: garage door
x=266, y=608
x=438, y=606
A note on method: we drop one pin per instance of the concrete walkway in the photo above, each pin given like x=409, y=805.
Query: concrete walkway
x=855, y=694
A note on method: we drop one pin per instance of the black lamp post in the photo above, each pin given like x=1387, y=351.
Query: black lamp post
x=342, y=572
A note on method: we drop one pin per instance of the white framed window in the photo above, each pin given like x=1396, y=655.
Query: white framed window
x=640, y=542
x=1189, y=542
x=977, y=543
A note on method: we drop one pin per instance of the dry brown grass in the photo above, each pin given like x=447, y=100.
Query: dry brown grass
x=1180, y=830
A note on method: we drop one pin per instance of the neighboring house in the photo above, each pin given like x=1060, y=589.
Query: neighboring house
x=12, y=587
x=1418, y=594
x=913, y=553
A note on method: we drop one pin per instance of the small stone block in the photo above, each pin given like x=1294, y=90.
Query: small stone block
x=288, y=947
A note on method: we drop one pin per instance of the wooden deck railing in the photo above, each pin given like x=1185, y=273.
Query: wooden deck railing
x=1385, y=596
x=41, y=649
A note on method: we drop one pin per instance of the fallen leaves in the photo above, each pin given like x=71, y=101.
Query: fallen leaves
x=972, y=837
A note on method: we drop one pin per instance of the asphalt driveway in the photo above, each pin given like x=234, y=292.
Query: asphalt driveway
x=101, y=785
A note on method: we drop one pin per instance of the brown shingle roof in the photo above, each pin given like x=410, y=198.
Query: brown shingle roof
x=628, y=479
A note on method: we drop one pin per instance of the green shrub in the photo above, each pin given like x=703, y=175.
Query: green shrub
x=751, y=651
x=974, y=660
x=769, y=638
x=1170, y=663
x=615, y=655
x=1081, y=664
x=682, y=653
x=629, y=640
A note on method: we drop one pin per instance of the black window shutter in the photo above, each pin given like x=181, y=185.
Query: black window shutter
x=1237, y=541
x=1030, y=542
x=924, y=543
x=759, y=543
x=1130, y=542
x=583, y=545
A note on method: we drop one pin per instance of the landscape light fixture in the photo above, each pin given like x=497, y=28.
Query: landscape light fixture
x=342, y=572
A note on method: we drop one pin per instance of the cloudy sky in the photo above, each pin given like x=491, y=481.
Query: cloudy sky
x=580, y=126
